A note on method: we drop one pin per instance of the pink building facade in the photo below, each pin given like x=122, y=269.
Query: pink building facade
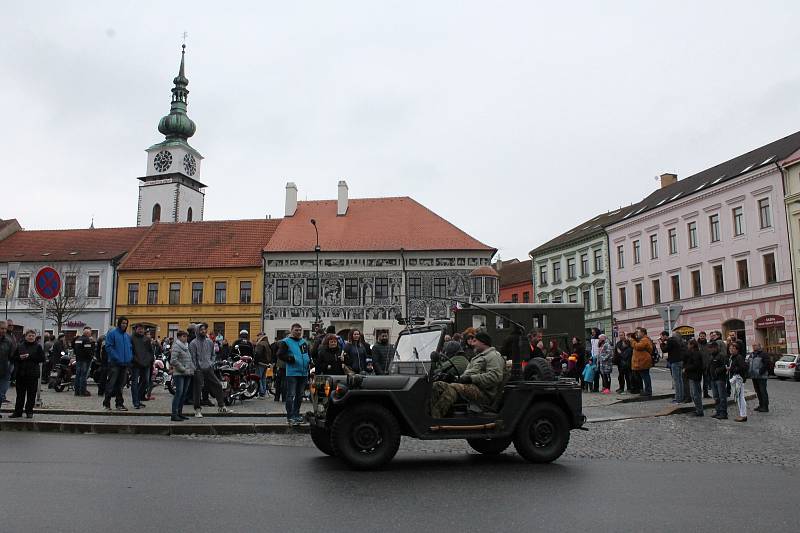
x=715, y=243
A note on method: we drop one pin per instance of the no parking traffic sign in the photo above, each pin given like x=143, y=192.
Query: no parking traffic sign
x=47, y=283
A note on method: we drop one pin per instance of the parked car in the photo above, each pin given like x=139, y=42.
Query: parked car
x=788, y=366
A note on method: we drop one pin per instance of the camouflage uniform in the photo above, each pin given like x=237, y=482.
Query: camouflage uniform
x=487, y=371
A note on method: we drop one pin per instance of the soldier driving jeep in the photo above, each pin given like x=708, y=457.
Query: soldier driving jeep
x=481, y=382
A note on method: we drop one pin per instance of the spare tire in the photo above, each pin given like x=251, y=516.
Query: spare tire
x=538, y=369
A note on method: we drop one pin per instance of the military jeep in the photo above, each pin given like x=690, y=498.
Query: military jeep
x=360, y=418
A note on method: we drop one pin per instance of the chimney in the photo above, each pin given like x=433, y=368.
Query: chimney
x=291, y=198
x=668, y=179
x=341, y=204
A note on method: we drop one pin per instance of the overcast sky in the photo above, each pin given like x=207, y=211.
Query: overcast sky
x=515, y=121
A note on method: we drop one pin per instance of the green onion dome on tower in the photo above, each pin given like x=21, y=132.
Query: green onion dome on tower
x=177, y=125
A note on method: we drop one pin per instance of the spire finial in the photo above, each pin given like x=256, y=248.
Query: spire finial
x=177, y=125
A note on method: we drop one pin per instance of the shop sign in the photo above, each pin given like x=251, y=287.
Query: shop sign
x=685, y=331
x=770, y=321
x=75, y=324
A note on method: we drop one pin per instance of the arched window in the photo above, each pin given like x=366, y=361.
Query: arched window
x=189, y=215
x=156, y=213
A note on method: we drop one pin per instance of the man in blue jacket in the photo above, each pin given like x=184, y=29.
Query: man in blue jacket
x=120, y=354
x=293, y=350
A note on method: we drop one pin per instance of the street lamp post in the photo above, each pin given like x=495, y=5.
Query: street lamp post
x=319, y=288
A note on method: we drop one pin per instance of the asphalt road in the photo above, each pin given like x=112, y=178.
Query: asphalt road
x=66, y=483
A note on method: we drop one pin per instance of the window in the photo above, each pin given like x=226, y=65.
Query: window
x=219, y=328
x=719, y=279
x=381, y=287
x=175, y=293
x=557, y=272
x=350, y=289
x=738, y=222
x=557, y=299
x=623, y=301
x=764, y=214
x=741, y=270
x=598, y=260
x=676, y=286
x=70, y=285
x=571, y=268
x=637, y=252
x=672, y=239
x=93, y=287
x=244, y=326
x=156, y=217
x=133, y=293
x=197, y=292
x=543, y=299
x=713, y=226
x=638, y=291
x=770, y=273
x=312, y=290
x=599, y=299
x=220, y=292
x=656, y=291
x=584, y=264
x=526, y=297
x=23, y=286
x=653, y=246
x=491, y=285
x=440, y=287
x=620, y=256
x=3, y=287
x=692, y=229
x=572, y=297
x=587, y=301
x=172, y=329
x=515, y=298
x=543, y=275
x=152, y=293
x=414, y=287
x=697, y=289
x=477, y=285
x=189, y=215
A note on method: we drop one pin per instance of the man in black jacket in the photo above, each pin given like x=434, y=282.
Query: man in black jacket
x=693, y=369
x=758, y=367
x=382, y=353
x=6, y=349
x=719, y=373
x=142, y=363
x=675, y=355
x=84, y=347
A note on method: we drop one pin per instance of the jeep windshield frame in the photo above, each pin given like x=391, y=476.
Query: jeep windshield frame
x=413, y=349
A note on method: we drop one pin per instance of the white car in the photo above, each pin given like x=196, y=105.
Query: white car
x=788, y=366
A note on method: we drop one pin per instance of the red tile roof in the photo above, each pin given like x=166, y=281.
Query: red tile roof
x=207, y=244
x=516, y=273
x=69, y=244
x=370, y=224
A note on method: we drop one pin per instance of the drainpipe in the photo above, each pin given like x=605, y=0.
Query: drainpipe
x=405, y=285
x=115, y=261
x=263, y=290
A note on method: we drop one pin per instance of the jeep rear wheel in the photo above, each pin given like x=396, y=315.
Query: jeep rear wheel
x=538, y=369
x=489, y=446
x=543, y=434
x=322, y=440
x=365, y=436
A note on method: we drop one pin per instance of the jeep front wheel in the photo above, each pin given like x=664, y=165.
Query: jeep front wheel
x=489, y=446
x=543, y=434
x=322, y=440
x=538, y=369
x=365, y=436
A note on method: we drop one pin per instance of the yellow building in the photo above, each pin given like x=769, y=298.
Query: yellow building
x=192, y=272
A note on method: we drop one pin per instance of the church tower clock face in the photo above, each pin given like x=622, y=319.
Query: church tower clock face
x=162, y=161
x=189, y=164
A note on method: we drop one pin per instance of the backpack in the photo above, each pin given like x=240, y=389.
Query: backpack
x=654, y=355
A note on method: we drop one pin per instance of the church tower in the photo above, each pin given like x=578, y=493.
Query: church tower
x=170, y=191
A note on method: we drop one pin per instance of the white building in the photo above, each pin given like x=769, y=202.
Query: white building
x=715, y=243
x=86, y=261
x=379, y=259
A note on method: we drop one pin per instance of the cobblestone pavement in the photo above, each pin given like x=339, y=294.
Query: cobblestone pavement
x=766, y=438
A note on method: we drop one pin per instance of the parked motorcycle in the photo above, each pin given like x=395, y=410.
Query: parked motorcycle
x=160, y=374
x=62, y=376
x=239, y=379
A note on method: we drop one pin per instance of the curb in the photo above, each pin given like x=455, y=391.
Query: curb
x=638, y=398
x=48, y=411
x=689, y=408
x=148, y=429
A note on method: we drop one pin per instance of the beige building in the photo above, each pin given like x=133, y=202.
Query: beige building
x=791, y=188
